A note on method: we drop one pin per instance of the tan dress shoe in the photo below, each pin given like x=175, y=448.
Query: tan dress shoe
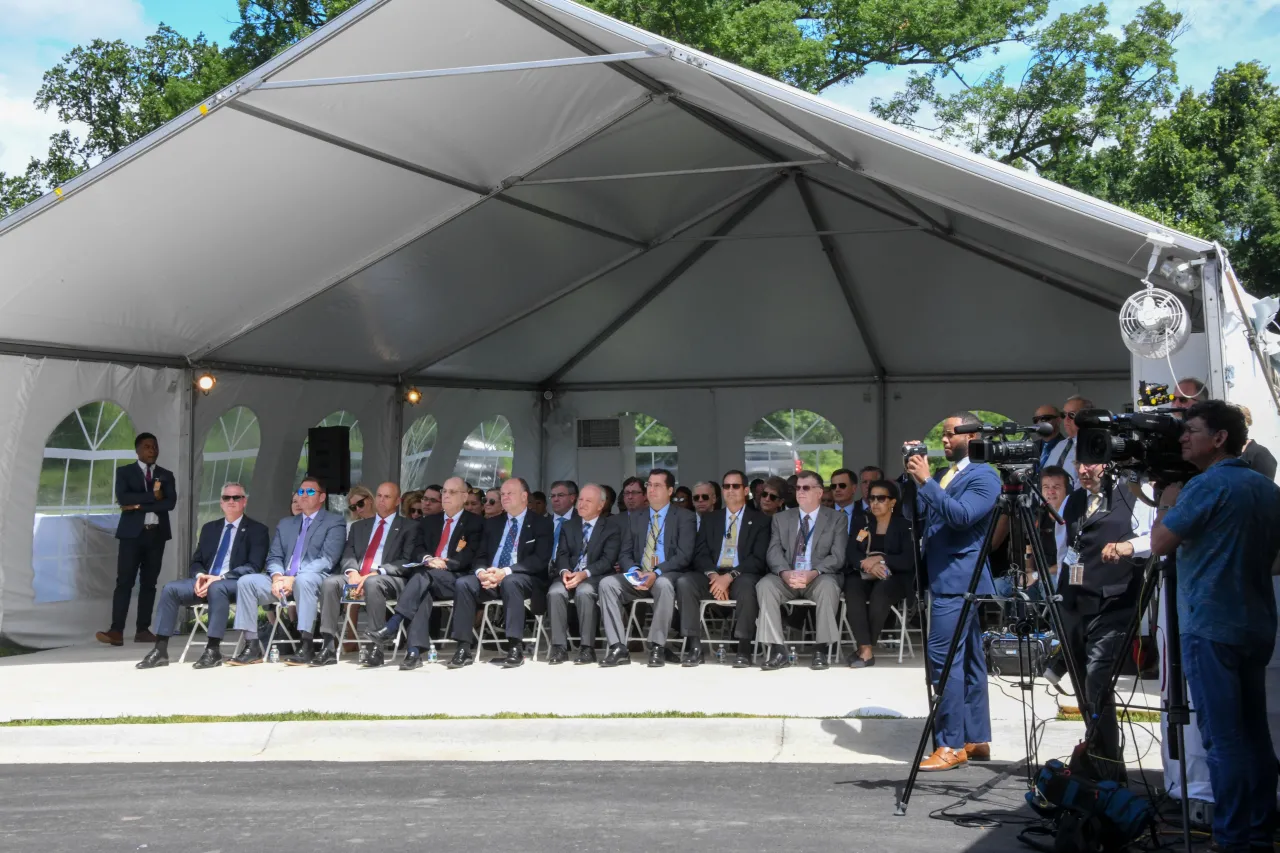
x=944, y=758
x=111, y=638
x=978, y=751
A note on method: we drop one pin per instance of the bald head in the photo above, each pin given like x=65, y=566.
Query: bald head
x=590, y=502
x=387, y=499
x=453, y=495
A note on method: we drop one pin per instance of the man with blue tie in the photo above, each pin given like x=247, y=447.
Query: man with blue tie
x=229, y=547
x=305, y=550
x=955, y=509
x=657, y=546
x=513, y=558
x=564, y=495
x=589, y=545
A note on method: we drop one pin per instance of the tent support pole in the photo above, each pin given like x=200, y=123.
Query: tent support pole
x=678, y=270
x=618, y=263
x=848, y=287
x=397, y=420
x=672, y=173
x=185, y=531
x=882, y=422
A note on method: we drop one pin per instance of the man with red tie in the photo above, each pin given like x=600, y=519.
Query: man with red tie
x=372, y=564
x=446, y=548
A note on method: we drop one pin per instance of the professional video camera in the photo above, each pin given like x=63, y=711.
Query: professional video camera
x=1023, y=451
x=1143, y=442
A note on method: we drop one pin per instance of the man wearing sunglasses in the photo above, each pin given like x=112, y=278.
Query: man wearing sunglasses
x=305, y=550
x=1190, y=391
x=588, y=551
x=1064, y=455
x=229, y=547
x=1051, y=415
x=730, y=556
x=772, y=495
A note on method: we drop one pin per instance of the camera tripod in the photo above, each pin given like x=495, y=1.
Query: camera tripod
x=1020, y=501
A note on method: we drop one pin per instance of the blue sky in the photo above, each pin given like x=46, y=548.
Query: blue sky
x=34, y=34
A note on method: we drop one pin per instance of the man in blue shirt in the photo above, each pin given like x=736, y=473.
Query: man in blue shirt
x=1225, y=526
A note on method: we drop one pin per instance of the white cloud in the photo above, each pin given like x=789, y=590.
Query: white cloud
x=24, y=130
x=74, y=20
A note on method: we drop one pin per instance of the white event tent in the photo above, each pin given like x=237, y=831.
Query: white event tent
x=528, y=209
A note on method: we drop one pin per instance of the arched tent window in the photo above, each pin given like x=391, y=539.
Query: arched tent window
x=790, y=439
x=73, y=553
x=485, y=458
x=934, y=438
x=338, y=503
x=655, y=446
x=415, y=452
x=230, y=454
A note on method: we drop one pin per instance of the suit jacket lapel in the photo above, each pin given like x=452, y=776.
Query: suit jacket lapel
x=820, y=521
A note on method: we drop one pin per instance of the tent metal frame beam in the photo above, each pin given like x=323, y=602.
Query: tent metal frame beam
x=852, y=379
x=792, y=235
x=667, y=237
x=400, y=163
x=748, y=207
x=533, y=65
x=671, y=173
x=844, y=279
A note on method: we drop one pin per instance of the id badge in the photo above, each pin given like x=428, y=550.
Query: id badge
x=802, y=564
x=1075, y=575
x=729, y=553
x=862, y=534
x=1071, y=557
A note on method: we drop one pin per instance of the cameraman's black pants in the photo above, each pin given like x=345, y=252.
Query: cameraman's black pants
x=1095, y=642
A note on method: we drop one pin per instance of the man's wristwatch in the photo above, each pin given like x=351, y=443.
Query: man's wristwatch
x=734, y=574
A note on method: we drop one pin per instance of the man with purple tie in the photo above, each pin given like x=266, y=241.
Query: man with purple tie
x=305, y=550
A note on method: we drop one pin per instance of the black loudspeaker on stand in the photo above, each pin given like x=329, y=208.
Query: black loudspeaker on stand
x=329, y=458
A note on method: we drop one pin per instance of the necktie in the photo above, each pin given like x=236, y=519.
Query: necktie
x=586, y=537
x=1095, y=501
x=1066, y=449
x=295, y=562
x=148, y=478
x=508, y=545
x=372, y=551
x=949, y=476
x=730, y=537
x=223, y=547
x=802, y=540
x=651, y=544
x=443, y=544
x=555, y=539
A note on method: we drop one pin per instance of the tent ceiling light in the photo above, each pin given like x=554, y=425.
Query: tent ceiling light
x=413, y=396
x=204, y=383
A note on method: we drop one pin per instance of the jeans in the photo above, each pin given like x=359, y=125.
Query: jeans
x=1227, y=684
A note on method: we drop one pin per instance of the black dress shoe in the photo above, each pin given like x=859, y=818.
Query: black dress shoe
x=514, y=658
x=586, y=654
x=742, y=662
x=153, y=659
x=302, y=658
x=250, y=654
x=208, y=660
x=412, y=660
x=856, y=662
x=374, y=657
x=462, y=657
x=670, y=656
x=777, y=660
x=380, y=636
x=327, y=657
x=657, y=657
x=693, y=657
x=559, y=654
x=616, y=656
x=819, y=661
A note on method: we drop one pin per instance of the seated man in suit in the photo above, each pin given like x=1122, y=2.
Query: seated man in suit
x=447, y=546
x=955, y=508
x=231, y=546
x=589, y=545
x=657, y=546
x=806, y=560
x=377, y=549
x=512, y=562
x=730, y=556
x=305, y=550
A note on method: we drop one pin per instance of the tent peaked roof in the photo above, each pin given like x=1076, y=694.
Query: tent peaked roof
x=529, y=193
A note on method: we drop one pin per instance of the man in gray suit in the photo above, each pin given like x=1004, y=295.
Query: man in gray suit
x=588, y=549
x=304, y=551
x=657, y=545
x=373, y=562
x=806, y=558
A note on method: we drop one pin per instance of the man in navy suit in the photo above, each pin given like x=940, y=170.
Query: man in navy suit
x=146, y=493
x=512, y=562
x=305, y=550
x=230, y=547
x=956, y=508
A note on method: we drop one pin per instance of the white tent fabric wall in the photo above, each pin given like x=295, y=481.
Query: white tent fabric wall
x=40, y=394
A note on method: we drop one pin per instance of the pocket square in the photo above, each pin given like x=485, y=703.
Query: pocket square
x=530, y=541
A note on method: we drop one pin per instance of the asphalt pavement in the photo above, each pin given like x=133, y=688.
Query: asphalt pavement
x=528, y=807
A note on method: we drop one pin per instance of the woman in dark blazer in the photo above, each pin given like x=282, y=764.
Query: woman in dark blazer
x=878, y=572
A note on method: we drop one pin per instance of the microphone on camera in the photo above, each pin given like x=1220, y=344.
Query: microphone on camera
x=968, y=429
x=1041, y=430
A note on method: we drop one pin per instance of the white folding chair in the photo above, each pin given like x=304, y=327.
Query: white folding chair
x=350, y=634
x=200, y=623
x=489, y=630
x=808, y=628
x=726, y=623
x=901, y=636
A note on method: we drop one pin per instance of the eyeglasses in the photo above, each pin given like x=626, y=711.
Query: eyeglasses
x=1071, y=416
x=879, y=499
x=770, y=495
x=1044, y=419
x=633, y=492
x=308, y=493
x=415, y=513
x=1181, y=399
x=807, y=488
x=679, y=499
x=491, y=502
x=702, y=497
x=234, y=498
x=455, y=492
x=428, y=499
x=732, y=487
x=358, y=503
x=555, y=495
x=842, y=485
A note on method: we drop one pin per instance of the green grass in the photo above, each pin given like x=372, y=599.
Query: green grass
x=8, y=649
x=323, y=716
x=1129, y=716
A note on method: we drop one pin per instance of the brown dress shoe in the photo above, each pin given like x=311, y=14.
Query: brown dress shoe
x=144, y=637
x=944, y=758
x=978, y=751
x=111, y=638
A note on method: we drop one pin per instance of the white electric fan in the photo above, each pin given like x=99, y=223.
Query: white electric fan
x=1154, y=322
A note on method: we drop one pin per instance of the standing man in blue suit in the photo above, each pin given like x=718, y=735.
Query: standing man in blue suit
x=305, y=550
x=956, y=508
x=230, y=547
x=146, y=494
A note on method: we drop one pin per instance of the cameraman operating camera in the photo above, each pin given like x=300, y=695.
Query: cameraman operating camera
x=955, y=510
x=1225, y=526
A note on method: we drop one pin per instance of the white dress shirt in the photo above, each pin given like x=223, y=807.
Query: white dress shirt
x=151, y=517
x=386, y=531
x=518, y=521
x=221, y=568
